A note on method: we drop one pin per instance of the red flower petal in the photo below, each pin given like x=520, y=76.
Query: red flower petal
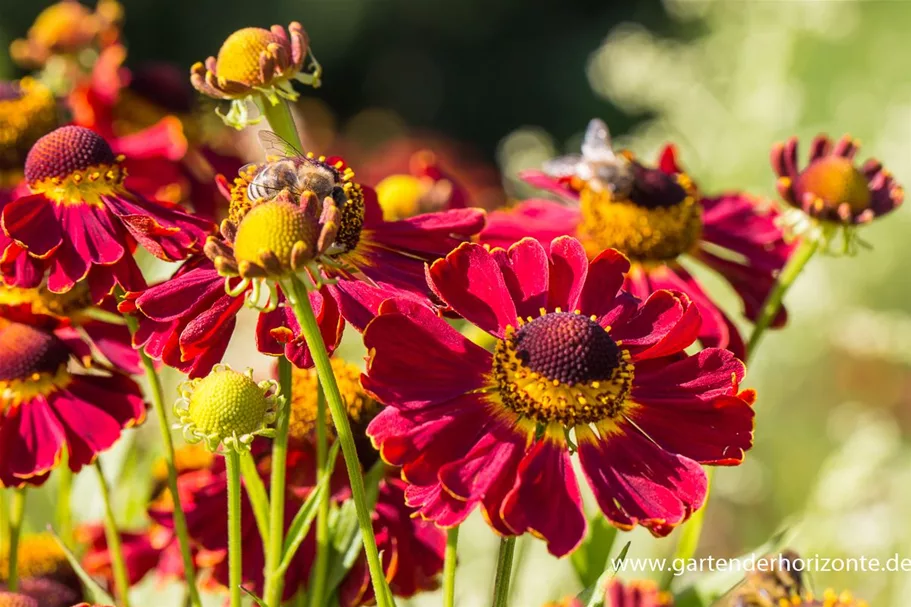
x=542, y=220
x=606, y=275
x=418, y=359
x=665, y=324
x=471, y=283
x=32, y=222
x=636, y=482
x=546, y=500
x=568, y=270
x=31, y=441
x=525, y=271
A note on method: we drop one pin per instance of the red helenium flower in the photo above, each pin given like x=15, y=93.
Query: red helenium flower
x=662, y=220
x=579, y=366
x=630, y=594
x=46, y=407
x=188, y=320
x=82, y=223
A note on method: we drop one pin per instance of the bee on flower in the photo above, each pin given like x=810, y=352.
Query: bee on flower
x=657, y=217
x=297, y=214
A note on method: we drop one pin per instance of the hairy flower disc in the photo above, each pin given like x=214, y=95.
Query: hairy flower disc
x=278, y=229
x=73, y=165
x=32, y=361
x=27, y=111
x=658, y=221
x=360, y=407
x=562, y=367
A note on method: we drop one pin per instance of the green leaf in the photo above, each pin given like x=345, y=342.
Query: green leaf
x=346, y=540
x=256, y=491
x=305, y=516
x=590, y=559
x=711, y=587
x=255, y=598
x=96, y=592
x=593, y=596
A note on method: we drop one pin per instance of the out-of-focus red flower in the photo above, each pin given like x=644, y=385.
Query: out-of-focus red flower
x=659, y=220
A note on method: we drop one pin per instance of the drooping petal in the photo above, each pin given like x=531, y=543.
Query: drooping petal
x=33, y=224
x=31, y=442
x=546, y=500
x=636, y=482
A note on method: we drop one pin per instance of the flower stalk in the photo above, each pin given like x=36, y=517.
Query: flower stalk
x=321, y=567
x=449, y=566
x=16, y=514
x=180, y=519
x=274, y=580
x=504, y=571
x=115, y=546
x=235, y=562
x=296, y=293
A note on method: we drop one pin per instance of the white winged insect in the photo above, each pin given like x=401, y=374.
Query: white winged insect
x=598, y=165
x=286, y=168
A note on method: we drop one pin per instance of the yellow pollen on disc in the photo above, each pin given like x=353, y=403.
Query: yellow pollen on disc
x=562, y=368
x=238, y=58
x=360, y=407
x=274, y=228
x=400, y=196
x=39, y=556
x=644, y=234
x=227, y=403
x=836, y=181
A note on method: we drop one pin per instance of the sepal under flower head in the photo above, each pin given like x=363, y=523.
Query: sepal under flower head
x=832, y=196
x=227, y=408
x=256, y=61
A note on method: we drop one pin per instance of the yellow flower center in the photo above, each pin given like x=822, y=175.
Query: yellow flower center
x=361, y=408
x=238, y=58
x=400, y=196
x=32, y=362
x=659, y=220
x=74, y=165
x=275, y=229
x=61, y=305
x=226, y=403
x=39, y=556
x=834, y=181
x=562, y=367
x=27, y=111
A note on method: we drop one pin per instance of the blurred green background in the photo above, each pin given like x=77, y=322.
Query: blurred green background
x=515, y=82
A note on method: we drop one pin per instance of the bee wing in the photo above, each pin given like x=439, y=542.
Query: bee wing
x=273, y=145
x=596, y=145
x=562, y=166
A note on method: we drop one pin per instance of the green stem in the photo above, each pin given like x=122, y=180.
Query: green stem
x=178, y=516
x=523, y=545
x=235, y=562
x=303, y=310
x=115, y=547
x=281, y=120
x=4, y=520
x=64, y=512
x=16, y=514
x=274, y=579
x=688, y=542
x=321, y=567
x=772, y=305
x=504, y=571
x=449, y=567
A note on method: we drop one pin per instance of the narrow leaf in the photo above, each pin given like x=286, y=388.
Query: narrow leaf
x=593, y=596
x=256, y=491
x=255, y=598
x=590, y=559
x=96, y=592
